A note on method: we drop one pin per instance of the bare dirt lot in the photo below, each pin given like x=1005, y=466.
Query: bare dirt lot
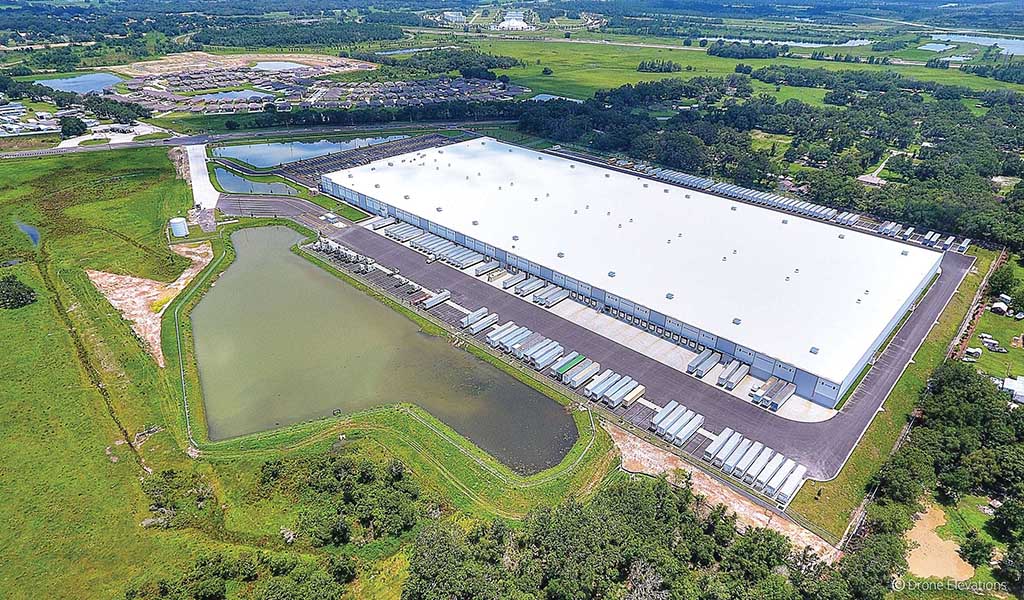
x=639, y=456
x=143, y=301
x=934, y=556
x=197, y=61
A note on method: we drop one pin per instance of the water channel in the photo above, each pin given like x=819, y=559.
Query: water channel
x=279, y=341
x=273, y=154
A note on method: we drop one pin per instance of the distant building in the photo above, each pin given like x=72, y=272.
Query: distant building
x=1015, y=387
x=454, y=17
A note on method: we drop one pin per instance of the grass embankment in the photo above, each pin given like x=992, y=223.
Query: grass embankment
x=840, y=497
x=15, y=143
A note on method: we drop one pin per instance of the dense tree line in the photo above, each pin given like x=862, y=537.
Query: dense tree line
x=748, y=50
x=115, y=110
x=443, y=111
x=659, y=66
x=636, y=539
x=444, y=60
x=328, y=33
x=970, y=440
x=18, y=90
x=1012, y=72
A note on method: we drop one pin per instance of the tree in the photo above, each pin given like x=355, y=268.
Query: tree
x=325, y=525
x=231, y=124
x=1009, y=519
x=1011, y=567
x=72, y=126
x=975, y=550
x=546, y=71
x=14, y=293
x=341, y=568
x=1002, y=281
x=905, y=476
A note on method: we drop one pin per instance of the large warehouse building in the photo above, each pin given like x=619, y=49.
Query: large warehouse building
x=799, y=299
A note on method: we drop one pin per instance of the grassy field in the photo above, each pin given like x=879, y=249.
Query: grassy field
x=579, y=69
x=840, y=497
x=14, y=143
x=964, y=516
x=1003, y=329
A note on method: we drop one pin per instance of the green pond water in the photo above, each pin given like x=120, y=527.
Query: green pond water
x=279, y=341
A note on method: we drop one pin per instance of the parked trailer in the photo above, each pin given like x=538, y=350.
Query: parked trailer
x=475, y=258
x=758, y=465
x=509, y=343
x=537, y=350
x=584, y=375
x=688, y=430
x=615, y=388
x=574, y=370
x=964, y=245
x=698, y=360
x=726, y=449
x=483, y=323
x=734, y=457
x=548, y=359
x=757, y=393
x=473, y=317
x=548, y=294
x=678, y=425
x=670, y=419
x=531, y=287
x=746, y=460
x=607, y=383
x=717, y=444
x=906, y=234
x=556, y=298
x=779, y=478
x=793, y=483
x=766, y=400
x=527, y=281
x=769, y=471
x=737, y=376
x=782, y=397
x=496, y=275
x=494, y=336
x=528, y=342
x=419, y=297
x=614, y=400
x=514, y=280
x=382, y=223
x=437, y=299
x=534, y=357
x=634, y=395
x=707, y=365
x=723, y=377
x=589, y=389
x=566, y=362
x=946, y=245
x=664, y=412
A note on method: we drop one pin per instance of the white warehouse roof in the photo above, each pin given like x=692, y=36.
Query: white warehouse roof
x=792, y=286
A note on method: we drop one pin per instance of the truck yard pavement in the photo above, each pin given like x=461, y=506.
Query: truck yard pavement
x=823, y=447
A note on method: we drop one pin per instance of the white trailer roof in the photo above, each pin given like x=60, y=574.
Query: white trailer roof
x=793, y=285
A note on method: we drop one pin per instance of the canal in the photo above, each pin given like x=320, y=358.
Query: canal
x=279, y=340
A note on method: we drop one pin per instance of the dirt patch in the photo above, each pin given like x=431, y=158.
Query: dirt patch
x=179, y=157
x=639, y=456
x=933, y=556
x=197, y=61
x=143, y=301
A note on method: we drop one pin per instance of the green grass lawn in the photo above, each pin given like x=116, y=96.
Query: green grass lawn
x=842, y=495
x=579, y=69
x=1003, y=329
x=15, y=143
x=94, y=142
x=156, y=135
x=964, y=516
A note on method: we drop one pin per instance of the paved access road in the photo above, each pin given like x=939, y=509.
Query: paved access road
x=823, y=447
x=249, y=135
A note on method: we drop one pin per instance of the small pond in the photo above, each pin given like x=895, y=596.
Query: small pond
x=936, y=47
x=279, y=340
x=278, y=65
x=235, y=95
x=276, y=153
x=236, y=184
x=1007, y=45
x=81, y=84
x=30, y=231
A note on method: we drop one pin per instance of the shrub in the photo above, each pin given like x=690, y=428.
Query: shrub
x=14, y=293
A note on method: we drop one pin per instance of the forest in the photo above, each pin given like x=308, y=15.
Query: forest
x=948, y=154
x=286, y=34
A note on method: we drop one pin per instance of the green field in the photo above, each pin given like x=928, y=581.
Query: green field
x=840, y=497
x=1003, y=329
x=78, y=382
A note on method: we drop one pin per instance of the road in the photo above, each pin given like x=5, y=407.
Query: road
x=209, y=138
x=823, y=447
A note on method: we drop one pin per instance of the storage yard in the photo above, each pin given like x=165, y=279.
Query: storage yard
x=680, y=263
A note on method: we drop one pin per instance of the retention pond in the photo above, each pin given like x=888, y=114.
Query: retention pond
x=279, y=341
